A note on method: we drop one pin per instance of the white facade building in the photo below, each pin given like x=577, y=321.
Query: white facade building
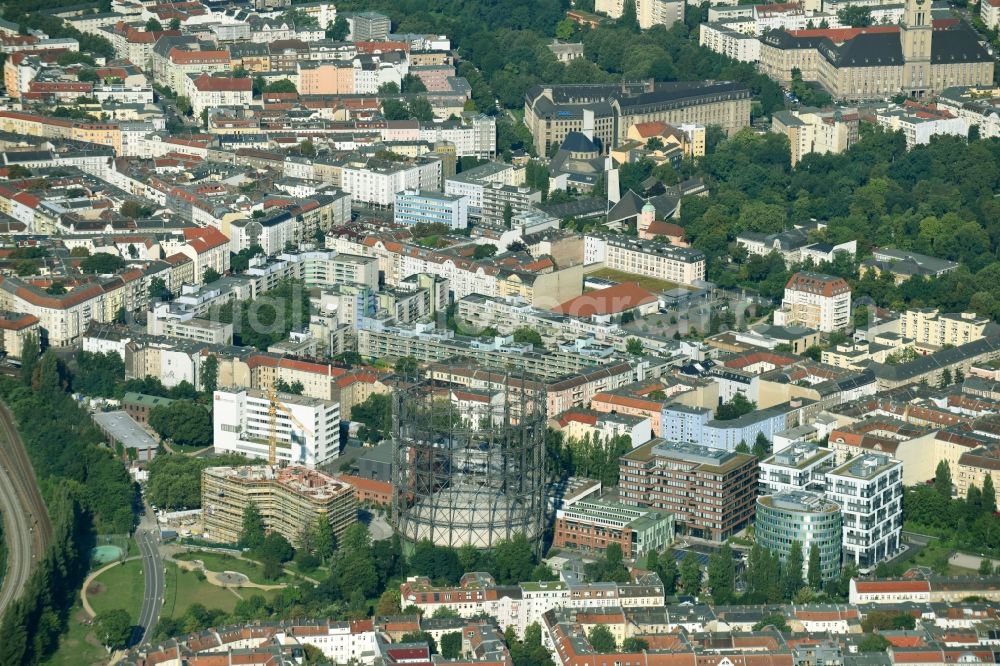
x=732, y=43
x=869, y=490
x=307, y=429
x=817, y=301
x=377, y=182
x=800, y=466
x=415, y=207
x=650, y=258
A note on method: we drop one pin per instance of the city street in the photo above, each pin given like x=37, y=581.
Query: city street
x=148, y=538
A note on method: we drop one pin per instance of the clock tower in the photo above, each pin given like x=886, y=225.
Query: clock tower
x=915, y=35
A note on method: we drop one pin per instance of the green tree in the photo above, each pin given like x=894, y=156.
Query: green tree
x=158, y=289
x=722, y=575
x=26, y=267
x=874, y=643
x=421, y=109
x=633, y=645
x=252, y=531
x=281, y=86
x=483, y=251
x=513, y=560
x=690, y=574
x=601, y=639
x=183, y=422
x=275, y=547
x=776, y=621
x=113, y=628
x=794, y=564
x=451, y=645
x=508, y=214
x=735, y=408
x=635, y=347
x=175, y=24
x=989, y=495
x=210, y=374
x=184, y=105
x=210, y=275
x=942, y=479
x=815, y=572
x=526, y=335
x=30, y=353
x=855, y=17
x=761, y=446
x=420, y=637
x=565, y=29
x=102, y=263
x=339, y=30
x=323, y=539
x=152, y=25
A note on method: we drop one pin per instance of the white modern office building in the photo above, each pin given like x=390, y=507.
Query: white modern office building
x=419, y=207
x=307, y=429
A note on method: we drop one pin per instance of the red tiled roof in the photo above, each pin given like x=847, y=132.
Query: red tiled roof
x=612, y=300
x=206, y=83
x=204, y=239
x=891, y=586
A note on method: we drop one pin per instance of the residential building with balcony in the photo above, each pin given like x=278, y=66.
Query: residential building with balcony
x=869, y=491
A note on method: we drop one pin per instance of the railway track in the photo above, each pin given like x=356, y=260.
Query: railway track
x=26, y=522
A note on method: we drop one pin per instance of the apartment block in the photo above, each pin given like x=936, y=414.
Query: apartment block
x=815, y=131
x=647, y=12
x=817, y=301
x=498, y=198
x=717, y=36
x=869, y=491
x=928, y=326
x=416, y=207
x=709, y=491
x=650, y=258
x=290, y=499
x=307, y=429
x=801, y=466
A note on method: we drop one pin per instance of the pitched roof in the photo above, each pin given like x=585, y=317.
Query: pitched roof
x=612, y=300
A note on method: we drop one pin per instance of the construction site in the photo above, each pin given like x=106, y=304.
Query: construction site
x=468, y=466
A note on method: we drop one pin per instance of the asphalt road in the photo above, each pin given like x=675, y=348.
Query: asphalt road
x=26, y=523
x=154, y=582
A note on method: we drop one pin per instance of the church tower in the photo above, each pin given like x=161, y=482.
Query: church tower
x=915, y=35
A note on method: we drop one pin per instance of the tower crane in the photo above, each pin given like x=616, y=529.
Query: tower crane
x=274, y=405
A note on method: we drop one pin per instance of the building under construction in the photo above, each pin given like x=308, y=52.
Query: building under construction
x=469, y=462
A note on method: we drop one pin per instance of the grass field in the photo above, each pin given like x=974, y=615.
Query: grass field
x=78, y=647
x=119, y=587
x=183, y=588
x=220, y=562
x=649, y=284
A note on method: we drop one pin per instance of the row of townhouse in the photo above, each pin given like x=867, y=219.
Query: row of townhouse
x=522, y=605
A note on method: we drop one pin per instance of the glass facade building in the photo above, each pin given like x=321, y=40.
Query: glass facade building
x=803, y=517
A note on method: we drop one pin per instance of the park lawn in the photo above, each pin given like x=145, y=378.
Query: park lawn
x=123, y=588
x=220, y=562
x=649, y=284
x=183, y=588
x=77, y=647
